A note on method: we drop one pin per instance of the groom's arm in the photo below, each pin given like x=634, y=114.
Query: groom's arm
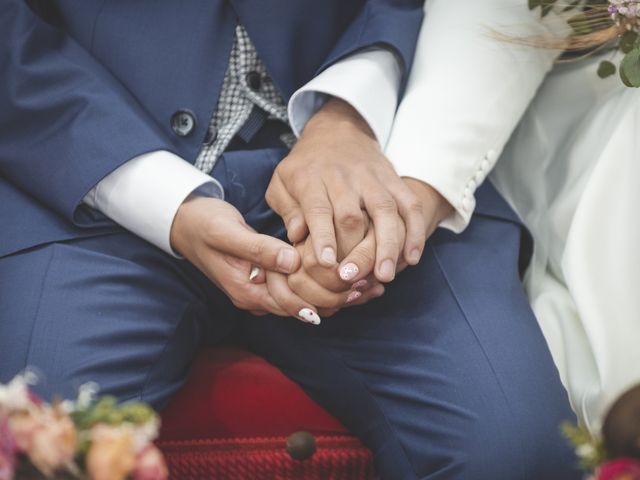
x=467, y=92
x=373, y=54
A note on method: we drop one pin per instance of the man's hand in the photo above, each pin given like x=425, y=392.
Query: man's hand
x=214, y=237
x=335, y=171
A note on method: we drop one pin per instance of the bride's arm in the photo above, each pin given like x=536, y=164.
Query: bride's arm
x=466, y=94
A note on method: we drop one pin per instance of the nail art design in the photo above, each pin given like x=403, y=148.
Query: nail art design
x=353, y=296
x=349, y=272
x=308, y=315
x=254, y=273
x=360, y=285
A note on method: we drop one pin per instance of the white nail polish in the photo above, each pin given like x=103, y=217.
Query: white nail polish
x=309, y=315
x=349, y=272
x=254, y=273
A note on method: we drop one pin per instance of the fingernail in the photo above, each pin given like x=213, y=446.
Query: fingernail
x=294, y=224
x=414, y=256
x=285, y=259
x=387, y=269
x=360, y=285
x=309, y=315
x=378, y=291
x=328, y=255
x=254, y=273
x=349, y=272
x=353, y=296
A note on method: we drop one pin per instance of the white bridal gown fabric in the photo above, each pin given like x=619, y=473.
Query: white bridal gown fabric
x=572, y=172
x=570, y=167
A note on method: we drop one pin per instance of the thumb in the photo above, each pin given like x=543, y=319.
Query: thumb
x=261, y=250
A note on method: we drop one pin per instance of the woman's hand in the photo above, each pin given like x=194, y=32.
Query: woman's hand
x=360, y=262
x=314, y=284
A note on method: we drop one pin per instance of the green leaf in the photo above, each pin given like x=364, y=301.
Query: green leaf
x=533, y=4
x=581, y=24
x=606, y=69
x=630, y=68
x=628, y=41
x=571, y=6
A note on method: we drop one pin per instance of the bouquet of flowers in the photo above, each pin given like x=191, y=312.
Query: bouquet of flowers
x=87, y=438
x=615, y=453
x=598, y=24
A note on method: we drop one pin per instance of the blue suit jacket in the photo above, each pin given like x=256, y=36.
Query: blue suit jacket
x=87, y=85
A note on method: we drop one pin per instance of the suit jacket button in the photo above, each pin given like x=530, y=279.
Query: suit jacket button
x=212, y=134
x=183, y=122
x=254, y=80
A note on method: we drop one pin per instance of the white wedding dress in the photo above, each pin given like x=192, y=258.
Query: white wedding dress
x=572, y=172
x=570, y=167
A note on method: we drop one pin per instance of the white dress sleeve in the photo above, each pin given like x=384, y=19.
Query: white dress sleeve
x=467, y=91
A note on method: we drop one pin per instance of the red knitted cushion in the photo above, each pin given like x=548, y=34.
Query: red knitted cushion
x=232, y=420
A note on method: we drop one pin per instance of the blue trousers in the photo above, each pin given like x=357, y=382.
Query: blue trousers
x=447, y=376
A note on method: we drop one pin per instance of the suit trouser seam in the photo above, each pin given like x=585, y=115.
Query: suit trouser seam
x=484, y=352
x=363, y=384
x=43, y=288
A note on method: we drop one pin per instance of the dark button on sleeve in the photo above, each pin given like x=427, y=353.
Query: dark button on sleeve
x=212, y=134
x=254, y=80
x=183, y=122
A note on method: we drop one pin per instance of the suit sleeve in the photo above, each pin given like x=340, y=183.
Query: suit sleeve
x=65, y=122
x=391, y=24
x=466, y=93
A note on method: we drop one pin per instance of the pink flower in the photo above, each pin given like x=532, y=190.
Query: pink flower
x=7, y=451
x=620, y=469
x=150, y=465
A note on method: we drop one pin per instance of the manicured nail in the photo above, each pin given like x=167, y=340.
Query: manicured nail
x=414, y=256
x=254, y=273
x=328, y=255
x=360, y=285
x=353, y=296
x=387, y=269
x=349, y=272
x=309, y=315
x=285, y=259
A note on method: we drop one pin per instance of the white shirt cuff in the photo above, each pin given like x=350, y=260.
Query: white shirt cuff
x=369, y=81
x=144, y=194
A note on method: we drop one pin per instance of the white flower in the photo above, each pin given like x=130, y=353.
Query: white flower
x=15, y=395
x=586, y=450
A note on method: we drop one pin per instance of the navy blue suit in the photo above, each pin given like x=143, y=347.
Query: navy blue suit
x=446, y=376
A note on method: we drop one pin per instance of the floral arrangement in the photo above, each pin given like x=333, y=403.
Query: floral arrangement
x=87, y=438
x=600, y=24
x=614, y=454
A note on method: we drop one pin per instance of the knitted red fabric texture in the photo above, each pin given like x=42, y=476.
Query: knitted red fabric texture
x=336, y=458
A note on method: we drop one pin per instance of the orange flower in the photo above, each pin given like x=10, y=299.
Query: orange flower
x=111, y=456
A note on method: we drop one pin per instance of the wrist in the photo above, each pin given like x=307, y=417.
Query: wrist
x=436, y=207
x=339, y=116
x=178, y=233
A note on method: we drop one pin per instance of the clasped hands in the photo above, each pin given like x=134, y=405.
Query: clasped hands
x=353, y=222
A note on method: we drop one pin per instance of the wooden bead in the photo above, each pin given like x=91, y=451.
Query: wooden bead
x=301, y=445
